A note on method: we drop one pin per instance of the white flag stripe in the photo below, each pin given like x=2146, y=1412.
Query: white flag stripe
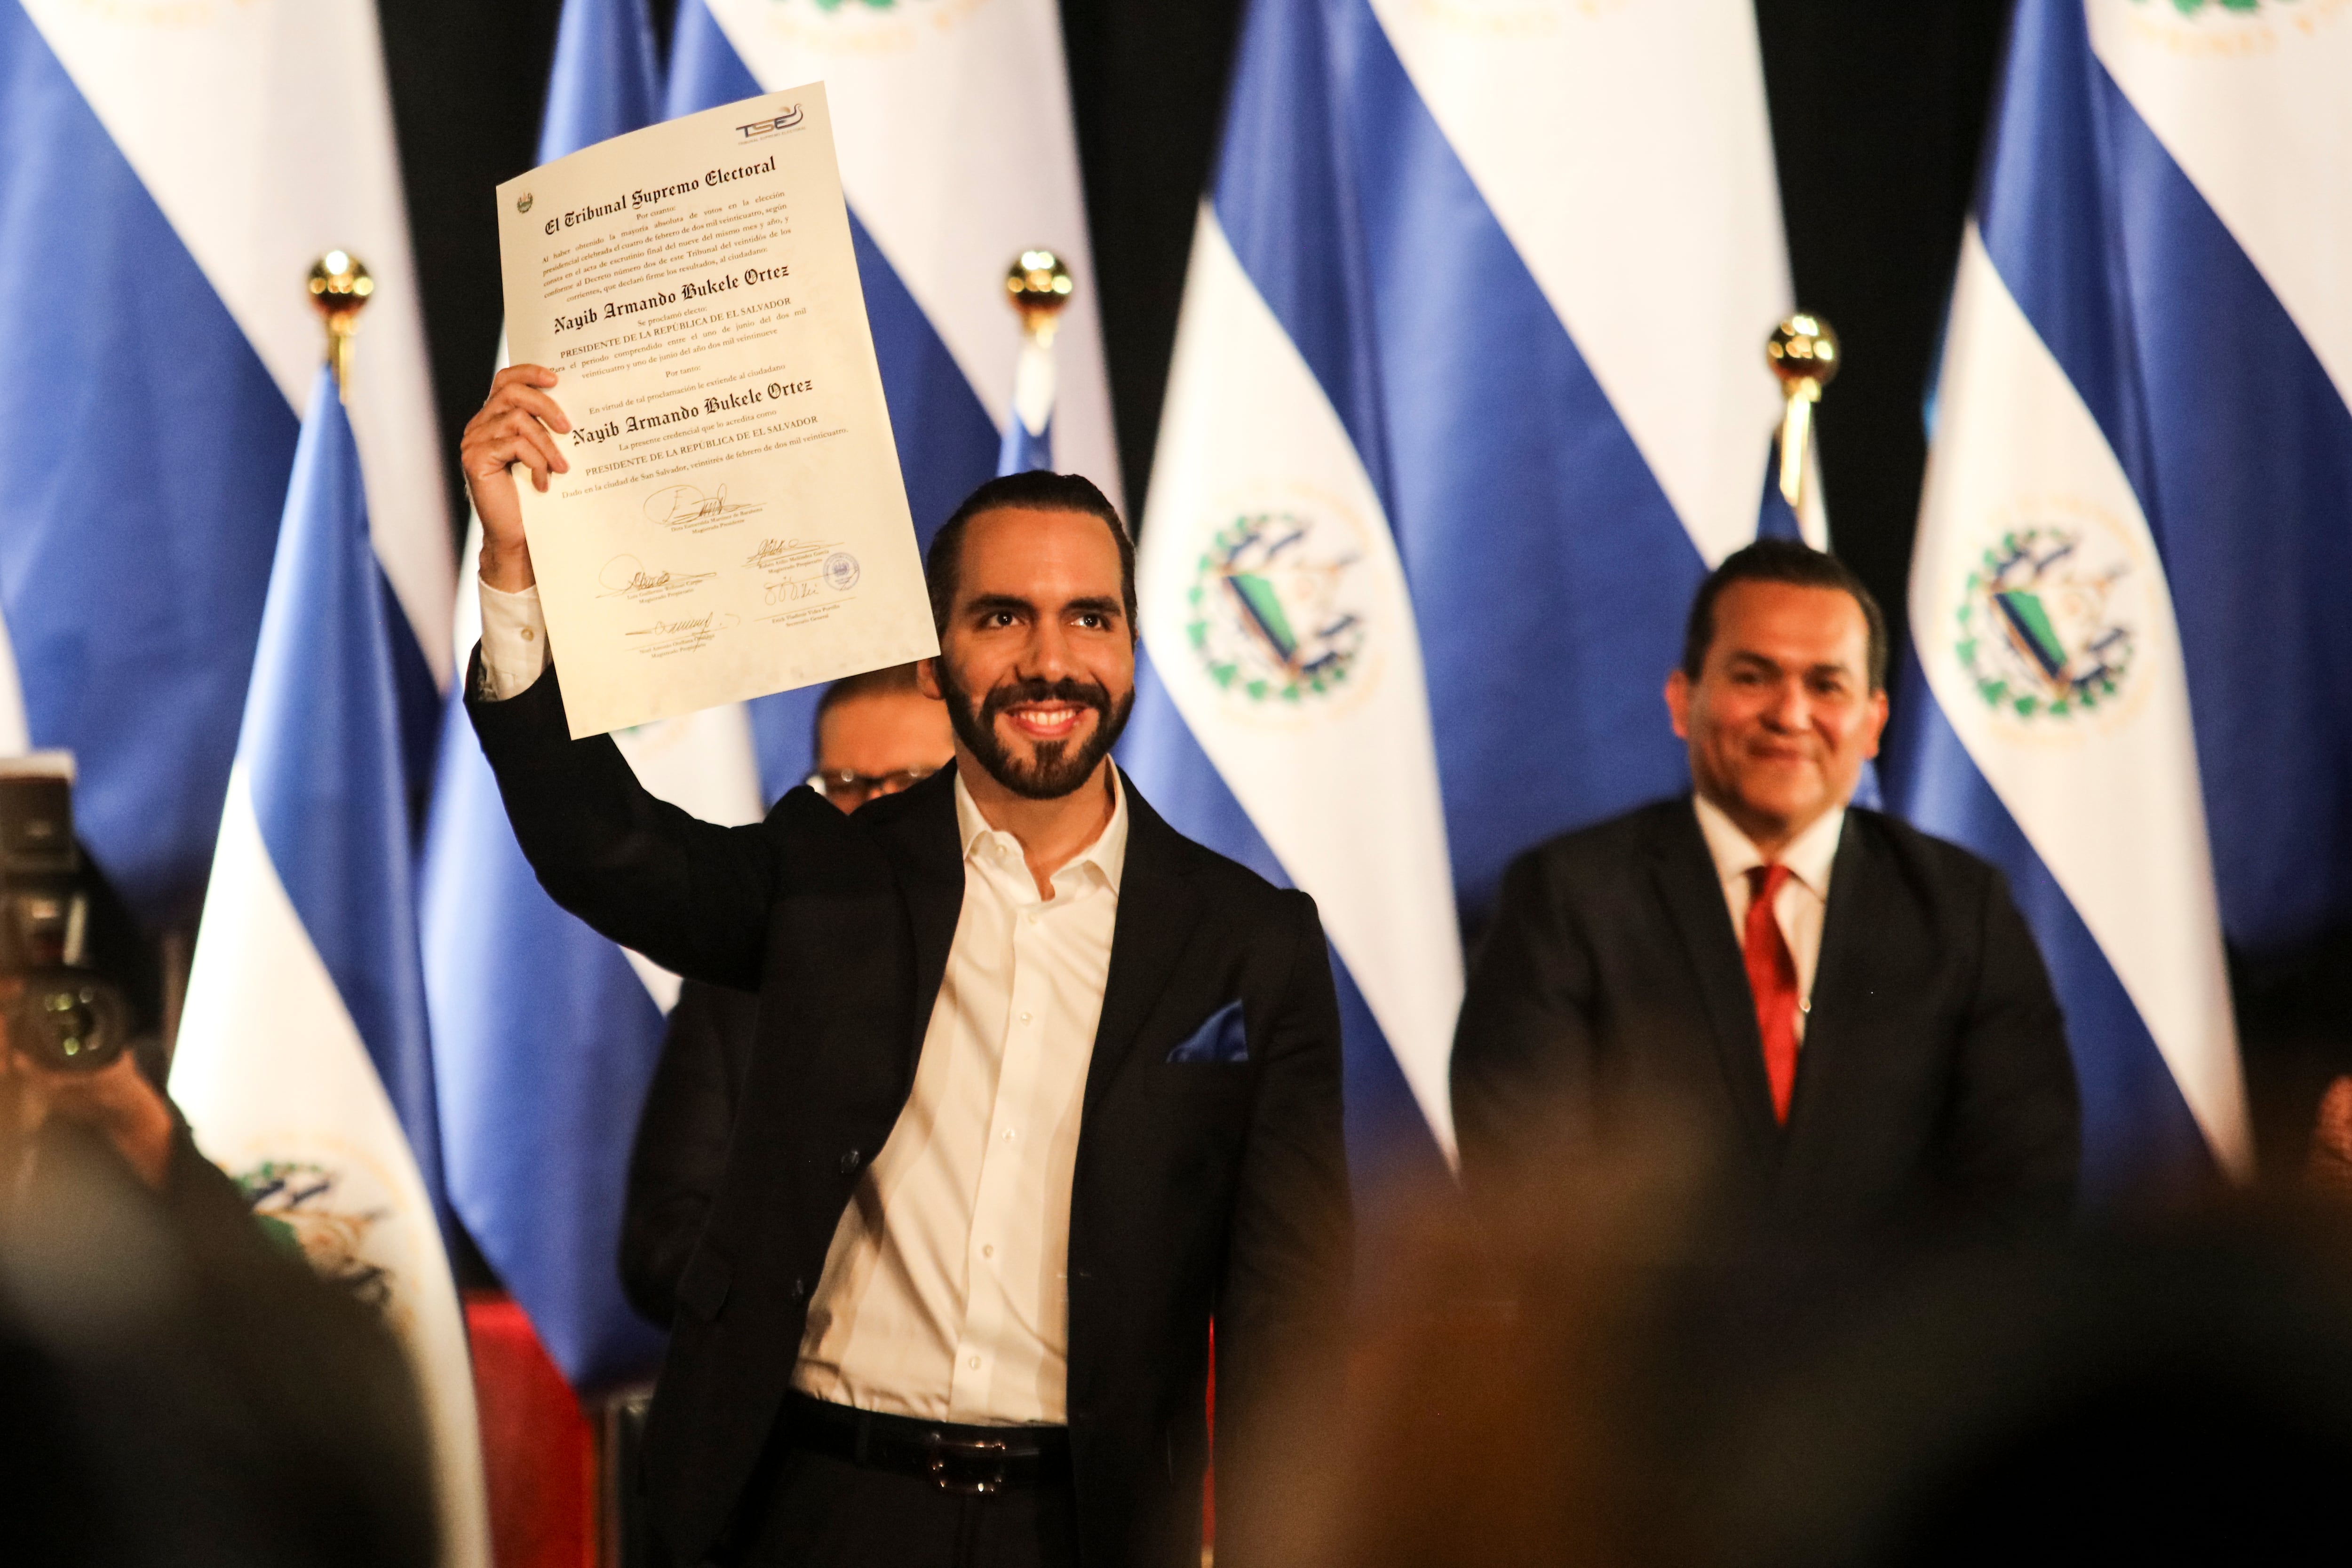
x=269, y=1060
x=957, y=153
x=2257, y=110
x=1626, y=151
x=264, y=133
x=16, y=735
x=2110, y=802
x=1346, y=796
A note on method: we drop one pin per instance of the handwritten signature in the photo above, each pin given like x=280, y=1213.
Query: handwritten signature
x=680, y=506
x=775, y=552
x=790, y=589
x=717, y=621
x=625, y=574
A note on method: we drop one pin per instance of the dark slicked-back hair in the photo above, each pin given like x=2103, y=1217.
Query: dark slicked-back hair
x=1036, y=490
x=1781, y=560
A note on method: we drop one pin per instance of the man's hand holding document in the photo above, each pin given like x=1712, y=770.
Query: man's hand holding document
x=714, y=509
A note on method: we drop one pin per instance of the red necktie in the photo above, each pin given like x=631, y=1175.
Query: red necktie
x=1772, y=978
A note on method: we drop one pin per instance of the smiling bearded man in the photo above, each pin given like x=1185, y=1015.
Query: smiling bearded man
x=1850, y=1015
x=1037, y=1083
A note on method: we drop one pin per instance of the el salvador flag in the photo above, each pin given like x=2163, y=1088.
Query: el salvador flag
x=957, y=154
x=545, y=1033
x=303, y=1064
x=1468, y=394
x=2131, y=682
x=166, y=182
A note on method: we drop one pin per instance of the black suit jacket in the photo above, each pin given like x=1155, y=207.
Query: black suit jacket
x=1199, y=1187
x=1933, y=1076
x=680, y=1153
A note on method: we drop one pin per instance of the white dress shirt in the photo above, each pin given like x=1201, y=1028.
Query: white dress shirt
x=1803, y=900
x=945, y=1293
x=514, y=641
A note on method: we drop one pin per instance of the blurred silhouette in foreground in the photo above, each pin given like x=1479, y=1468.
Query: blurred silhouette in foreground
x=176, y=1388
x=2330, y=1164
x=1611, y=1368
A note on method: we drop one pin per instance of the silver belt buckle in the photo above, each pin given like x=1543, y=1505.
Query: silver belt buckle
x=971, y=1468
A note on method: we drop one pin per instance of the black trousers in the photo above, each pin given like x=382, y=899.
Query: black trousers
x=825, y=1512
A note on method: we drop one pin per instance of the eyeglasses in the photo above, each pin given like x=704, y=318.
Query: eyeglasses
x=859, y=787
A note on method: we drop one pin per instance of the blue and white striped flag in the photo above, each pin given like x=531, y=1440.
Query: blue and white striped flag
x=545, y=1034
x=2132, y=676
x=957, y=154
x=167, y=177
x=303, y=1062
x=1468, y=394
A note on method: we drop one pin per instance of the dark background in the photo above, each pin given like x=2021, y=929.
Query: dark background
x=1878, y=107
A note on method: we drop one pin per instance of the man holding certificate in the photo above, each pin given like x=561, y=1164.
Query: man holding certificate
x=1040, y=1085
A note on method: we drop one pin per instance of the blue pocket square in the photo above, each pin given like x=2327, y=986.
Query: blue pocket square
x=1220, y=1041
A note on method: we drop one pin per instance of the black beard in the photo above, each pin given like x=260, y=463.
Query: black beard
x=1058, y=769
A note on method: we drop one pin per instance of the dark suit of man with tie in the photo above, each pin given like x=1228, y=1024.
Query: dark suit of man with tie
x=1038, y=1086
x=1851, y=1014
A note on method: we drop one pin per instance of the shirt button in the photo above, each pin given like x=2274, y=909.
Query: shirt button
x=849, y=1162
x=1024, y=1017
x=988, y=1251
x=527, y=634
x=973, y=1363
x=1033, y=918
x=1008, y=1134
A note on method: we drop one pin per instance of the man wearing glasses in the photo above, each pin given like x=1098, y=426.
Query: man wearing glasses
x=877, y=734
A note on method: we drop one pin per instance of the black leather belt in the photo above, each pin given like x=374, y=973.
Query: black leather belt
x=972, y=1460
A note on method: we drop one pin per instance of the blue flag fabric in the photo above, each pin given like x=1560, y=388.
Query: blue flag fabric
x=132, y=587
x=2134, y=520
x=322, y=743
x=1024, y=449
x=605, y=80
x=547, y=1036
x=304, y=1063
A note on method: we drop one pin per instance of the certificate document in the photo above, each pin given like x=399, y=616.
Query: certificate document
x=733, y=523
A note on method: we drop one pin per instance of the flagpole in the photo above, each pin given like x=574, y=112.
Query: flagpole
x=340, y=286
x=1039, y=287
x=1803, y=353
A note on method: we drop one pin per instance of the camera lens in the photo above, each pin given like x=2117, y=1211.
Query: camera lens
x=69, y=1020
x=72, y=1021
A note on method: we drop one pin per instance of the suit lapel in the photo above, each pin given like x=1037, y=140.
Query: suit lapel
x=1845, y=937
x=924, y=842
x=1158, y=907
x=1684, y=875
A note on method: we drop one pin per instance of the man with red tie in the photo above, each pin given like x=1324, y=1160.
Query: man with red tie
x=1850, y=1016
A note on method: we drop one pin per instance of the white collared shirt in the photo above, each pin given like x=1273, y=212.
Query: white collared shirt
x=514, y=641
x=1803, y=900
x=945, y=1293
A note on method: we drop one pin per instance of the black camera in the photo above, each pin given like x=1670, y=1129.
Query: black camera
x=58, y=1010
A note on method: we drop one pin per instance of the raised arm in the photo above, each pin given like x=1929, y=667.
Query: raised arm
x=517, y=427
x=689, y=895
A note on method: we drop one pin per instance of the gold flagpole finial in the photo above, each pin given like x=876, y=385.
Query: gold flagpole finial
x=1803, y=353
x=1038, y=285
x=340, y=288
